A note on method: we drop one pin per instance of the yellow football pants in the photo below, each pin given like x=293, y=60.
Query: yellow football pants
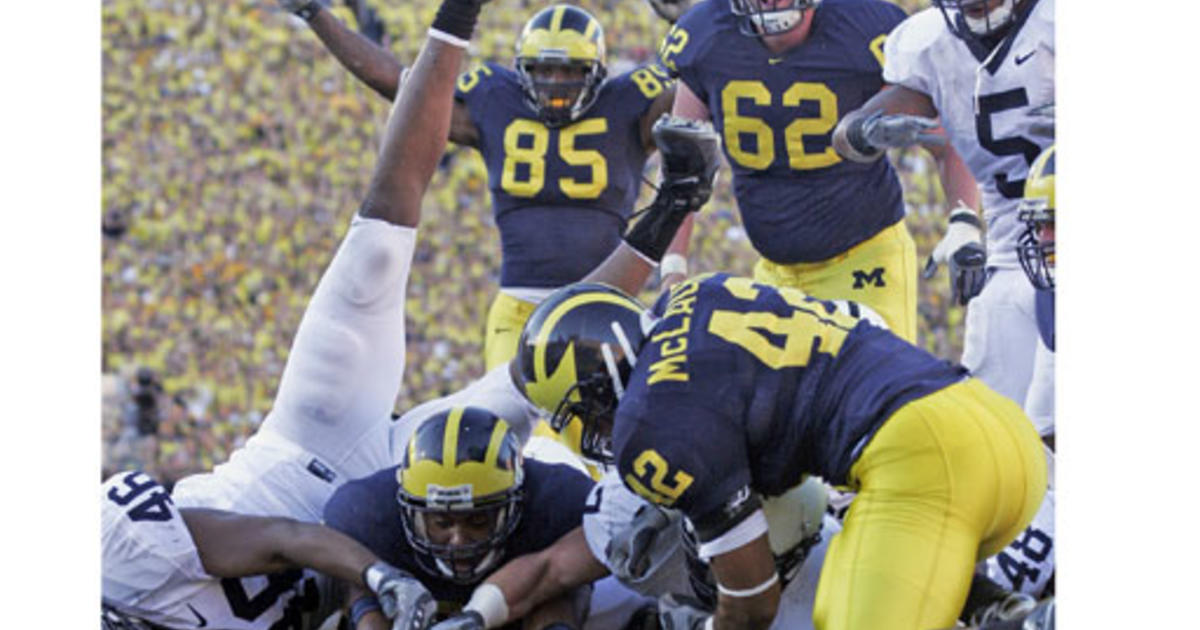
x=506, y=318
x=880, y=272
x=949, y=479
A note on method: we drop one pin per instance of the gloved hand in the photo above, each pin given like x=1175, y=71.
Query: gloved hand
x=306, y=9
x=629, y=550
x=678, y=612
x=963, y=252
x=469, y=620
x=690, y=158
x=899, y=130
x=401, y=596
x=670, y=10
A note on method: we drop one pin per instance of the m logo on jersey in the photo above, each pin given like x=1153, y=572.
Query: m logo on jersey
x=873, y=278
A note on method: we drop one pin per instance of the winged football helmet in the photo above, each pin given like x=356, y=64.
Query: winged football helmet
x=569, y=39
x=1036, y=211
x=464, y=462
x=576, y=353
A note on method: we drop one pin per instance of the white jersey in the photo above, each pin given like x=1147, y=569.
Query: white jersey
x=1027, y=564
x=985, y=107
x=329, y=423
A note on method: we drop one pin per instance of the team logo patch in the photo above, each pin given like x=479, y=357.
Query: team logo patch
x=453, y=496
x=871, y=278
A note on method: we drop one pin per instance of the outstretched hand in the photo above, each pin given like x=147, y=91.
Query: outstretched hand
x=900, y=130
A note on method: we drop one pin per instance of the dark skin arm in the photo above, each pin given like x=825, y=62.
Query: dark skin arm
x=416, y=134
x=532, y=579
x=236, y=545
x=745, y=568
x=568, y=608
x=662, y=105
x=376, y=67
x=371, y=621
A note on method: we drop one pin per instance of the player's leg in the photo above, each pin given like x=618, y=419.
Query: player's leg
x=880, y=272
x=1001, y=334
x=949, y=478
x=347, y=359
x=505, y=319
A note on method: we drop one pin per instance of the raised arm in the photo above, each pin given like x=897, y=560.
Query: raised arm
x=690, y=161
x=370, y=63
x=419, y=124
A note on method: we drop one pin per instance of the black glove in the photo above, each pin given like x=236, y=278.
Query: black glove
x=963, y=254
x=690, y=159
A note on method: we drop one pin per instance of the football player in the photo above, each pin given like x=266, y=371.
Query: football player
x=192, y=547
x=461, y=501
x=564, y=147
x=729, y=390
x=775, y=76
x=981, y=67
x=1028, y=564
x=330, y=417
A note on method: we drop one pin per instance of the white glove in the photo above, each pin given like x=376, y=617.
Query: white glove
x=900, y=130
x=629, y=552
x=469, y=620
x=677, y=612
x=961, y=249
x=402, y=597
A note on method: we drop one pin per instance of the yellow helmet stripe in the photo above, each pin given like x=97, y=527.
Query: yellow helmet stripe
x=450, y=439
x=590, y=32
x=493, y=450
x=539, y=356
x=556, y=19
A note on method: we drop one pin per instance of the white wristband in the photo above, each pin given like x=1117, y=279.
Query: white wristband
x=750, y=592
x=672, y=263
x=448, y=38
x=488, y=600
x=709, y=624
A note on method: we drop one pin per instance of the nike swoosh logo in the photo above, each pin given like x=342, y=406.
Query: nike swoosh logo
x=774, y=60
x=203, y=621
x=1023, y=58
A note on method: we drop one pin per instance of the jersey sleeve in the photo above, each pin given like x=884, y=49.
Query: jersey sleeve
x=682, y=48
x=703, y=471
x=356, y=509
x=640, y=87
x=474, y=86
x=906, y=52
x=555, y=503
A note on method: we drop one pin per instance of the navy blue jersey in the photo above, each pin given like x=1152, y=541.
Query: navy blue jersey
x=745, y=387
x=561, y=196
x=366, y=509
x=1044, y=309
x=800, y=201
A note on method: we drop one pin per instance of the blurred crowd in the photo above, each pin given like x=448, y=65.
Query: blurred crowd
x=235, y=150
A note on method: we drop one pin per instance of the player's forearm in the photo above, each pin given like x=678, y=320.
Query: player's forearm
x=236, y=545
x=371, y=64
x=417, y=130
x=533, y=579
x=624, y=268
x=957, y=181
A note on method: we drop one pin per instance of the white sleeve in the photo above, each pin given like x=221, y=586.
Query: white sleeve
x=495, y=392
x=906, y=51
x=346, y=362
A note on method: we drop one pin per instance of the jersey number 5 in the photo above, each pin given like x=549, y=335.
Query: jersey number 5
x=525, y=145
